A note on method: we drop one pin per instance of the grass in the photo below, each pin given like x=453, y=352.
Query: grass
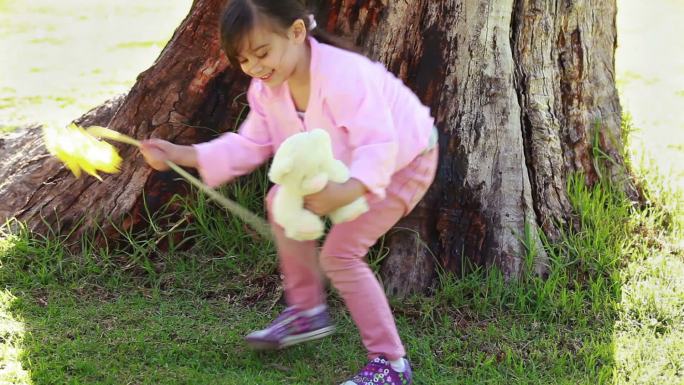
x=611, y=310
x=172, y=306
x=650, y=79
x=69, y=56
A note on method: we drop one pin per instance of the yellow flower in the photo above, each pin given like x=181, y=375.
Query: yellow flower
x=79, y=150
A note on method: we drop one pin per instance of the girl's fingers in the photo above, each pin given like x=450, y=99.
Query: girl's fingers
x=156, y=152
x=149, y=145
x=159, y=144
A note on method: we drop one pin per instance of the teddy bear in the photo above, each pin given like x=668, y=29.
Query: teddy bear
x=303, y=165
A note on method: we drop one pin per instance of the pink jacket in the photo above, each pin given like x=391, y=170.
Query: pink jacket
x=376, y=123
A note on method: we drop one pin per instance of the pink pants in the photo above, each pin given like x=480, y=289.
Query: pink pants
x=342, y=259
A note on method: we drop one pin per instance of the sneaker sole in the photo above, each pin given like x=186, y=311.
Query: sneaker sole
x=292, y=340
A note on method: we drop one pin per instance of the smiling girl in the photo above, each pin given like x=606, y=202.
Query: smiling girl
x=302, y=80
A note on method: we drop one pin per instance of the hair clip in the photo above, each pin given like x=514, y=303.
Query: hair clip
x=312, y=22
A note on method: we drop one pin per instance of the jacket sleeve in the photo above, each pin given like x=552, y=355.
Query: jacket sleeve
x=235, y=154
x=360, y=107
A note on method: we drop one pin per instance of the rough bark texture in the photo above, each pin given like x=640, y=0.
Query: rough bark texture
x=565, y=77
x=523, y=93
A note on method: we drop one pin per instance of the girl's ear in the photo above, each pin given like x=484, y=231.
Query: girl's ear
x=298, y=31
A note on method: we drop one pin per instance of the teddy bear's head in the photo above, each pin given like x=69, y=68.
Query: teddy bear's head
x=301, y=162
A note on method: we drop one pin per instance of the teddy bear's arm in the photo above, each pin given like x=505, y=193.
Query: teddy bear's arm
x=289, y=212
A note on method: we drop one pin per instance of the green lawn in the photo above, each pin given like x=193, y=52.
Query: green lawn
x=62, y=58
x=612, y=310
x=650, y=76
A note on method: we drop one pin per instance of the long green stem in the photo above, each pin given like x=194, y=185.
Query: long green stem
x=256, y=222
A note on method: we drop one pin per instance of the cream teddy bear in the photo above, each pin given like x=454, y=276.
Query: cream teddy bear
x=303, y=165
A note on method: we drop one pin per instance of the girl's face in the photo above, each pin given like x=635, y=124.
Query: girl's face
x=273, y=57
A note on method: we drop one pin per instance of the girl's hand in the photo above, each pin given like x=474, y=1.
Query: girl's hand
x=157, y=151
x=334, y=196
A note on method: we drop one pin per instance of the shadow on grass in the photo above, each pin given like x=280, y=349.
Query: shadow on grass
x=94, y=321
x=178, y=317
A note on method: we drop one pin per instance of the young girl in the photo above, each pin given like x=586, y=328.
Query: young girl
x=379, y=129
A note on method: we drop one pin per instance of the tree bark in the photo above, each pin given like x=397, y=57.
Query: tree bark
x=523, y=92
x=524, y=95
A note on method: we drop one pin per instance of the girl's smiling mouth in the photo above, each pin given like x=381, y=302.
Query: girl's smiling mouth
x=267, y=76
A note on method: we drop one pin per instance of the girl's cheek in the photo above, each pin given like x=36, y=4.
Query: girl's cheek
x=271, y=63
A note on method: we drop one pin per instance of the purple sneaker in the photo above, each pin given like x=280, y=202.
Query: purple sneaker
x=290, y=328
x=380, y=372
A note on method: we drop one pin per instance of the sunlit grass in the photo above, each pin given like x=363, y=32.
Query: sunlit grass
x=609, y=312
x=650, y=77
x=62, y=58
x=11, y=338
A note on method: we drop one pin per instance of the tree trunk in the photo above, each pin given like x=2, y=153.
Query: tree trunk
x=523, y=92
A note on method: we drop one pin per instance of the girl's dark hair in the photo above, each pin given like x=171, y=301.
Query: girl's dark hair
x=240, y=16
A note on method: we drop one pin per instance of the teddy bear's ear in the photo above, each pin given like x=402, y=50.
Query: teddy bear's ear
x=279, y=170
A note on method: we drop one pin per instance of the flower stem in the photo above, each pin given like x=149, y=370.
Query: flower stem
x=256, y=222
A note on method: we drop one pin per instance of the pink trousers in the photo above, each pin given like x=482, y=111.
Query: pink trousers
x=341, y=259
